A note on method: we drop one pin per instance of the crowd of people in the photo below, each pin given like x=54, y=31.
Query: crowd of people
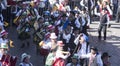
x=59, y=30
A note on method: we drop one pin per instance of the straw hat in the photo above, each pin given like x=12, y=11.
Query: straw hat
x=53, y=36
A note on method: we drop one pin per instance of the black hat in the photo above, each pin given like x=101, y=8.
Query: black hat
x=105, y=54
x=94, y=48
x=72, y=12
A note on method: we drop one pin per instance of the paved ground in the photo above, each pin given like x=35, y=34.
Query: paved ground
x=111, y=45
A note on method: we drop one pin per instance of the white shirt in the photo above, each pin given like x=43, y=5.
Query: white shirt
x=83, y=49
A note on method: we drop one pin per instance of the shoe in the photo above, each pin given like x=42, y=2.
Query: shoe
x=99, y=38
x=104, y=38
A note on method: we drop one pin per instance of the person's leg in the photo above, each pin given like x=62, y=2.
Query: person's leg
x=118, y=15
x=115, y=6
x=105, y=31
x=99, y=31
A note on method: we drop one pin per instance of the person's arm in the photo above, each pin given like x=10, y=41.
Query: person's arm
x=96, y=13
x=110, y=11
x=36, y=13
x=108, y=20
x=92, y=4
x=81, y=3
x=99, y=60
x=86, y=55
x=77, y=23
x=88, y=19
x=19, y=12
x=59, y=54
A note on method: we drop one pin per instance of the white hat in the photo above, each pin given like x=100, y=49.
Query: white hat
x=53, y=36
x=24, y=55
x=4, y=33
x=3, y=46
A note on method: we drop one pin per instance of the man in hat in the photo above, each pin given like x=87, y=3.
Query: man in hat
x=105, y=58
x=94, y=57
x=74, y=61
x=46, y=47
x=52, y=43
x=5, y=58
x=85, y=20
x=25, y=60
x=4, y=38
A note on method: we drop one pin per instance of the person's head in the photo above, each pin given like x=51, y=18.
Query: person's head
x=60, y=45
x=76, y=31
x=4, y=48
x=64, y=16
x=40, y=20
x=50, y=28
x=68, y=29
x=94, y=50
x=25, y=57
x=4, y=34
x=104, y=11
x=105, y=56
x=84, y=9
x=71, y=15
x=81, y=38
x=74, y=58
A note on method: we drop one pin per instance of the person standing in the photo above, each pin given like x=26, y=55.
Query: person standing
x=118, y=12
x=104, y=21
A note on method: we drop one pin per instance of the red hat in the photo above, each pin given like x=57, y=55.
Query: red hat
x=4, y=33
x=50, y=27
x=60, y=43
